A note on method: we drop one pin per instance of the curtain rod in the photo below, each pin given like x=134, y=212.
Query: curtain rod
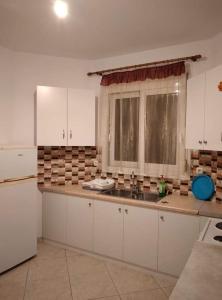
x=193, y=58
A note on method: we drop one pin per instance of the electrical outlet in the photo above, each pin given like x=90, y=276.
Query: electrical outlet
x=95, y=163
x=199, y=170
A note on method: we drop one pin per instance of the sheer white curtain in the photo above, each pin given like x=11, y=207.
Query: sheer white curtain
x=142, y=127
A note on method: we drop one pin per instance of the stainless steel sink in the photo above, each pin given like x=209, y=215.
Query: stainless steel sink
x=145, y=196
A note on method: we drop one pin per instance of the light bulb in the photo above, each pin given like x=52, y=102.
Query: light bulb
x=61, y=8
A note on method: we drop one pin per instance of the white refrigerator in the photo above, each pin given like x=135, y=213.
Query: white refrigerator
x=18, y=200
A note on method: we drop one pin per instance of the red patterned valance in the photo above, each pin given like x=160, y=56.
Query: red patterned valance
x=157, y=72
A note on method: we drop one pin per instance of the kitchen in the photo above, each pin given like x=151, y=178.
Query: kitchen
x=73, y=223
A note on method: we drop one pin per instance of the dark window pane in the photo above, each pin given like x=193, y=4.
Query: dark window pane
x=161, y=129
x=126, y=129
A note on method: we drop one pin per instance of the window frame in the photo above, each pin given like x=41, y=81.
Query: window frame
x=148, y=87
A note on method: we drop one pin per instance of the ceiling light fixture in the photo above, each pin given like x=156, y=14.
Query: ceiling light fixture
x=61, y=8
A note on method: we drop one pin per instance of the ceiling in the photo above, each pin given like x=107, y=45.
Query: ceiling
x=102, y=28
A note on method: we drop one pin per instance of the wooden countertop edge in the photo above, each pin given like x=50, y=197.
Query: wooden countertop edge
x=119, y=200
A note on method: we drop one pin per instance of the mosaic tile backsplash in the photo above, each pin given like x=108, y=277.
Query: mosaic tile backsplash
x=72, y=165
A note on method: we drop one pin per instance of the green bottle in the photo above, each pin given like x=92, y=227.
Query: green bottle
x=162, y=187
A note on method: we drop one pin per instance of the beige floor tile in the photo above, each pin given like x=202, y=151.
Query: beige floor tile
x=49, y=251
x=128, y=280
x=53, y=289
x=145, y=295
x=15, y=276
x=110, y=298
x=48, y=268
x=83, y=264
x=71, y=253
x=12, y=283
x=92, y=285
x=12, y=292
x=165, y=280
x=168, y=290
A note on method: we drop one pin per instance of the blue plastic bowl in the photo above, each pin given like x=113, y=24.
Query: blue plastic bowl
x=203, y=187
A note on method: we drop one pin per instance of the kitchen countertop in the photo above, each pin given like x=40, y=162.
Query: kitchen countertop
x=176, y=203
x=211, y=209
x=202, y=275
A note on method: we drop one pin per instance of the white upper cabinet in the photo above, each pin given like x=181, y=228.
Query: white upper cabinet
x=81, y=117
x=204, y=106
x=65, y=117
x=195, y=112
x=51, y=117
x=213, y=110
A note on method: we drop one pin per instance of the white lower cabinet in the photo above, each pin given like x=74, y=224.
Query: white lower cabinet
x=126, y=232
x=55, y=217
x=140, y=236
x=80, y=222
x=108, y=229
x=177, y=234
x=158, y=240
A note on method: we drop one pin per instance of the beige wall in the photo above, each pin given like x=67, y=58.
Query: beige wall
x=21, y=72
x=6, y=94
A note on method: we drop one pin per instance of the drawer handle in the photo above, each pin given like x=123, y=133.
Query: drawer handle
x=162, y=218
x=70, y=134
x=205, y=142
x=200, y=142
x=126, y=211
x=90, y=204
x=120, y=210
x=63, y=134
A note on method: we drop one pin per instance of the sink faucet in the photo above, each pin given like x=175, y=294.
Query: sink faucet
x=135, y=185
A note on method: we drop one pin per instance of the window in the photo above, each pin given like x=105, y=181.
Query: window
x=161, y=129
x=124, y=129
x=146, y=128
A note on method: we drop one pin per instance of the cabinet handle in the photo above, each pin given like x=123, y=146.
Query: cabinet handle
x=90, y=204
x=200, y=142
x=162, y=218
x=70, y=134
x=120, y=210
x=63, y=134
x=126, y=211
x=205, y=142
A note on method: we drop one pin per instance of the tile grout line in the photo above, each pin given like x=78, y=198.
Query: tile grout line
x=107, y=269
x=141, y=291
x=68, y=273
x=26, y=280
x=165, y=293
x=138, y=291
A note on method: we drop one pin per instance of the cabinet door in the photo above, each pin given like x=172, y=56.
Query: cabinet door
x=213, y=119
x=140, y=236
x=80, y=223
x=81, y=117
x=55, y=217
x=108, y=229
x=51, y=116
x=195, y=112
x=177, y=234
